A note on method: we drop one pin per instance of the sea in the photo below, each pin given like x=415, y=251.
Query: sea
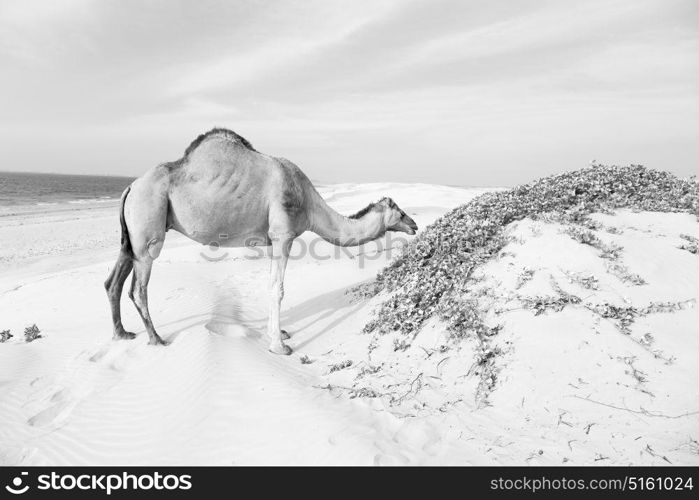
x=30, y=189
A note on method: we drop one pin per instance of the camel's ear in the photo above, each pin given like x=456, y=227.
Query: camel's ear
x=387, y=202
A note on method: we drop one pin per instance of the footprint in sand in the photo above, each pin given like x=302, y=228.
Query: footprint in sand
x=125, y=361
x=117, y=356
x=62, y=395
x=101, y=353
x=54, y=403
x=235, y=330
x=59, y=396
x=53, y=415
x=39, y=382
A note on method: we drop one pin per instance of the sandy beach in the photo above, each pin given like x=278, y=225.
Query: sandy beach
x=54, y=263
x=217, y=396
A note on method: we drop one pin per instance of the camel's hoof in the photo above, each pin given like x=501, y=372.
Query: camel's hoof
x=158, y=341
x=124, y=335
x=285, y=335
x=280, y=349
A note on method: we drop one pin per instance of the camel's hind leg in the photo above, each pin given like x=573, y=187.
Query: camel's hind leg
x=139, y=295
x=114, y=286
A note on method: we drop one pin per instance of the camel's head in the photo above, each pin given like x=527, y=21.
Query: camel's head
x=394, y=218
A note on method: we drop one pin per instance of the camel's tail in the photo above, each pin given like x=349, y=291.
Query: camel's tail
x=125, y=240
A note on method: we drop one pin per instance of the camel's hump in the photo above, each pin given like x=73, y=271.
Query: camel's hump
x=217, y=132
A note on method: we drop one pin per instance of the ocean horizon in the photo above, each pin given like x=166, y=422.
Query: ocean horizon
x=38, y=189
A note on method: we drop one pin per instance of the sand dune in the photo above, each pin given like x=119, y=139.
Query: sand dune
x=570, y=384
x=216, y=396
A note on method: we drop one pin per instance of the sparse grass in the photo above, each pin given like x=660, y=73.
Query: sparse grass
x=5, y=335
x=400, y=345
x=691, y=445
x=610, y=252
x=647, y=339
x=305, y=360
x=664, y=307
x=485, y=368
x=31, y=333
x=340, y=366
x=587, y=237
x=640, y=376
x=584, y=236
x=541, y=304
x=624, y=275
x=368, y=370
x=623, y=317
x=587, y=281
x=364, y=392
x=524, y=277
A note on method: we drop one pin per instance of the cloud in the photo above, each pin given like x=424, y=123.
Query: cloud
x=28, y=29
x=273, y=57
x=364, y=90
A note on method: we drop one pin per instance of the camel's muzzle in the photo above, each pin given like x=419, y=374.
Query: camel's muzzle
x=409, y=224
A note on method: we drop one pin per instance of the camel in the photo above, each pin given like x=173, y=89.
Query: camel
x=225, y=191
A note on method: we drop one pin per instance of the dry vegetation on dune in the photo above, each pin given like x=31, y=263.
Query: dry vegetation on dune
x=435, y=276
x=432, y=276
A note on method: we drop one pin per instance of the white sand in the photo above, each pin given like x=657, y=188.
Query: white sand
x=216, y=396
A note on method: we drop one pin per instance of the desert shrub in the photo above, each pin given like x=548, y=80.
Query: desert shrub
x=587, y=237
x=524, y=277
x=5, y=335
x=587, y=281
x=624, y=316
x=624, y=275
x=433, y=275
x=542, y=304
x=692, y=245
x=584, y=236
x=341, y=366
x=31, y=333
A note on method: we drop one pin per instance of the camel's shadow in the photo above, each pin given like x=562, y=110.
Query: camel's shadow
x=319, y=309
x=227, y=317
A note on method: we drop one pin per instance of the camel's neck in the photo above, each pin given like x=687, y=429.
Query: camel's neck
x=341, y=230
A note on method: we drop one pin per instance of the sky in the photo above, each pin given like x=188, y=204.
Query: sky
x=462, y=92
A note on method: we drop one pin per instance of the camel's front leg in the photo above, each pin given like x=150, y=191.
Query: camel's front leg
x=280, y=255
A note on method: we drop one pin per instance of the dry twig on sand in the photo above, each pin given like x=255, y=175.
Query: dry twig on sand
x=641, y=411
